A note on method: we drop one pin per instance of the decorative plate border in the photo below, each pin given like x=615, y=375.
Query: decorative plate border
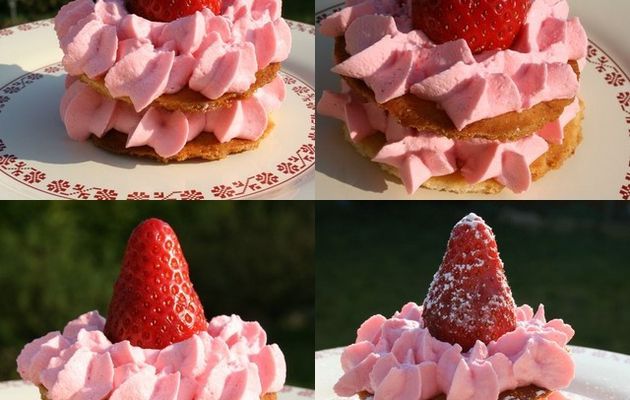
x=602, y=354
x=301, y=161
x=301, y=26
x=608, y=68
x=327, y=12
x=619, y=79
x=25, y=27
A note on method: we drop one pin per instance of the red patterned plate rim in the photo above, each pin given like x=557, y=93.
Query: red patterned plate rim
x=25, y=27
x=616, y=77
x=604, y=64
x=297, y=164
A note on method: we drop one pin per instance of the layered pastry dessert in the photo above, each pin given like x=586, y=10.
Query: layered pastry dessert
x=155, y=343
x=468, y=341
x=172, y=80
x=459, y=95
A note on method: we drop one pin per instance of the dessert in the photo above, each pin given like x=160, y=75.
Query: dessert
x=156, y=343
x=455, y=97
x=468, y=341
x=172, y=81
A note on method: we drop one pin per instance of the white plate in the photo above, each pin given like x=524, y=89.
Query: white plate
x=19, y=390
x=600, y=168
x=599, y=375
x=38, y=160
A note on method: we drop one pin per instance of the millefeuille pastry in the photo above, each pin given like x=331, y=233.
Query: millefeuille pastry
x=468, y=341
x=156, y=343
x=459, y=95
x=172, y=80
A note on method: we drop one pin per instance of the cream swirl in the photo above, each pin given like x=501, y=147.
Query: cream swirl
x=393, y=60
x=142, y=59
x=85, y=112
x=231, y=360
x=398, y=358
x=419, y=156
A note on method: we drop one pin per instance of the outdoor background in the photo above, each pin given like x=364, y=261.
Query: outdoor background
x=32, y=10
x=59, y=260
x=573, y=257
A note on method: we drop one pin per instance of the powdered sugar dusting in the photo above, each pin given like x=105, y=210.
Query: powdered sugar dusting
x=472, y=219
x=402, y=347
x=469, y=292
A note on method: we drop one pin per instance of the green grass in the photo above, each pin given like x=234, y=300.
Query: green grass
x=373, y=258
x=297, y=10
x=254, y=259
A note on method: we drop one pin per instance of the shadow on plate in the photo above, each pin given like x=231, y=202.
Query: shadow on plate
x=31, y=128
x=10, y=72
x=339, y=160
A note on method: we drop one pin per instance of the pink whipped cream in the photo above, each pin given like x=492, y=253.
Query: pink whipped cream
x=419, y=156
x=142, y=59
x=85, y=112
x=229, y=361
x=397, y=358
x=393, y=59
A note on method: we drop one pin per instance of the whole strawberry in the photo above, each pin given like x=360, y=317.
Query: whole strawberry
x=469, y=298
x=484, y=24
x=154, y=303
x=170, y=10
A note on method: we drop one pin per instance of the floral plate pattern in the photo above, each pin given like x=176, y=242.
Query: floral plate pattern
x=600, y=170
x=280, y=168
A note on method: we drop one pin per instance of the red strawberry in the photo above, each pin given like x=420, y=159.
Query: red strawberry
x=484, y=24
x=154, y=303
x=170, y=10
x=469, y=298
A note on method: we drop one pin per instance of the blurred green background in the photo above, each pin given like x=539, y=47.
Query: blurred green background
x=33, y=10
x=255, y=259
x=572, y=256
